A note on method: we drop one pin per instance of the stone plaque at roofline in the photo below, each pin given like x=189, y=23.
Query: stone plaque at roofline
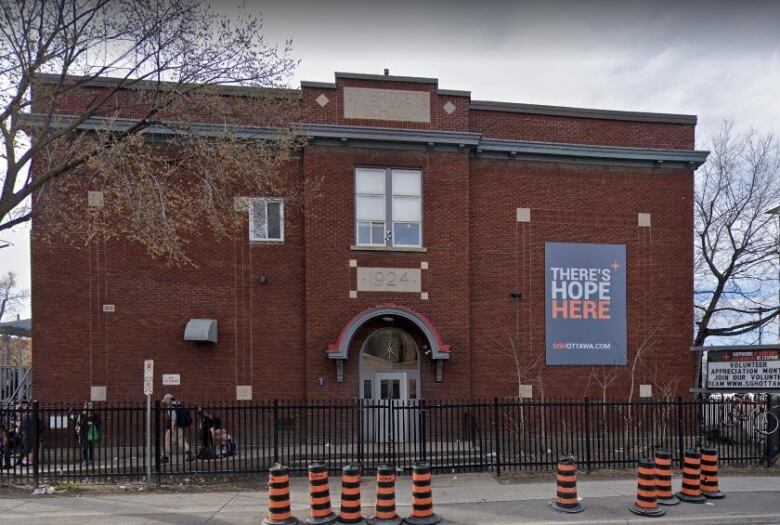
x=387, y=104
x=388, y=280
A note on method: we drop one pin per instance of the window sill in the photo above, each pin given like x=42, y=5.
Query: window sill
x=264, y=241
x=407, y=249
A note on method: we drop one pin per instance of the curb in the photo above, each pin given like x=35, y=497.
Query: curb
x=745, y=519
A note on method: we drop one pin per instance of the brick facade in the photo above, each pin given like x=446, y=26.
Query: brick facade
x=274, y=335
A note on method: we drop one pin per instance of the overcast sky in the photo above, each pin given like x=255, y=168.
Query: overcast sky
x=717, y=60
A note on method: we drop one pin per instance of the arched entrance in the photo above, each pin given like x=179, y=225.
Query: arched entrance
x=390, y=366
x=390, y=385
x=392, y=340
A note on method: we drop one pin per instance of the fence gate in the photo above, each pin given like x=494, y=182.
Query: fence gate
x=390, y=421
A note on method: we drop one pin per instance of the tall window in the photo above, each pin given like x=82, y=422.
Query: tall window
x=388, y=207
x=266, y=220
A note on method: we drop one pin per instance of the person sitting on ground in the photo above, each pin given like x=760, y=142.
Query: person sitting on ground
x=225, y=446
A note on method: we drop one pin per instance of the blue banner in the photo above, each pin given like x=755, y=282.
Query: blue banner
x=585, y=303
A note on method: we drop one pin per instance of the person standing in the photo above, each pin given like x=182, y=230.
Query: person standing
x=6, y=447
x=177, y=418
x=87, y=433
x=27, y=426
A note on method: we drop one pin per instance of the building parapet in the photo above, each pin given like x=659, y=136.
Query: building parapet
x=561, y=111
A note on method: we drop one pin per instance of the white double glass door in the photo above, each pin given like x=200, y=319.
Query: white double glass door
x=392, y=411
x=391, y=385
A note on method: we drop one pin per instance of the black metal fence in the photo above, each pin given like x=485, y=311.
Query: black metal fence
x=41, y=443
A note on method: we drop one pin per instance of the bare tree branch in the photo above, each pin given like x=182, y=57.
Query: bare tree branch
x=167, y=61
x=11, y=296
x=736, y=240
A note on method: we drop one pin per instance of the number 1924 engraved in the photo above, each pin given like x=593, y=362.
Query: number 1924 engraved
x=388, y=280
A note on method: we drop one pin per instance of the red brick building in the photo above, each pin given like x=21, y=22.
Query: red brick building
x=418, y=271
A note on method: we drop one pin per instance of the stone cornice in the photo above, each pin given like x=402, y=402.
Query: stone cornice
x=333, y=135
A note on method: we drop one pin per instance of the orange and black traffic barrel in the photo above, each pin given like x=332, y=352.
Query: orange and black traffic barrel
x=350, y=495
x=385, y=497
x=691, y=478
x=279, y=497
x=646, y=503
x=663, y=478
x=709, y=474
x=320, y=512
x=566, y=490
x=422, y=497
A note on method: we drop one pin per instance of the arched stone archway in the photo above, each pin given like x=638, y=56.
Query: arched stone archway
x=438, y=351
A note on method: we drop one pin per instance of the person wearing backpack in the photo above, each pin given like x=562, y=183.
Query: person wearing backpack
x=87, y=433
x=177, y=419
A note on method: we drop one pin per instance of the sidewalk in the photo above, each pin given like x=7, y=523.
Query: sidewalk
x=474, y=499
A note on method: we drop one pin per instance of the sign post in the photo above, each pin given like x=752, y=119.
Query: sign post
x=148, y=390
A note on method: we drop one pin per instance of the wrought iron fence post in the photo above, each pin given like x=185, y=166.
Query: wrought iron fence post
x=770, y=437
x=276, y=431
x=423, y=444
x=586, y=407
x=36, y=442
x=391, y=415
x=360, y=430
x=773, y=439
x=680, y=437
x=157, y=440
x=496, y=433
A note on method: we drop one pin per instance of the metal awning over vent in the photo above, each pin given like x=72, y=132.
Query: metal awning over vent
x=204, y=330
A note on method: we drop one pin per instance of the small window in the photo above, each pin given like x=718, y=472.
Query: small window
x=266, y=220
x=367, y=392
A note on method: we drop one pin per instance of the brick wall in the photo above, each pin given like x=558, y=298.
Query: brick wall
x=330, y=234
x=578, y=204
x=577, y=130
x=274, y=336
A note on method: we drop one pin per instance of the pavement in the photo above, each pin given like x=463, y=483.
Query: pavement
x=474, y=499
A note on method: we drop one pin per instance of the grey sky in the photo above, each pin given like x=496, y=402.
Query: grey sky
x=714, y=59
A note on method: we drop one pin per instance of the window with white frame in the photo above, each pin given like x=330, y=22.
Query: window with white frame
x=266, y=220
x=388, y=207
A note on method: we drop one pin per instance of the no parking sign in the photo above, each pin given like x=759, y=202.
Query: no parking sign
x=148, y=377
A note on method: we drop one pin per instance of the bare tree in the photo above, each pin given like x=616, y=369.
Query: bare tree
x=172, y=63
x=736, y=250
x=603, y=376
x=637, y=363
x=526, y=370
x=11, y=296
x=666, y=388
